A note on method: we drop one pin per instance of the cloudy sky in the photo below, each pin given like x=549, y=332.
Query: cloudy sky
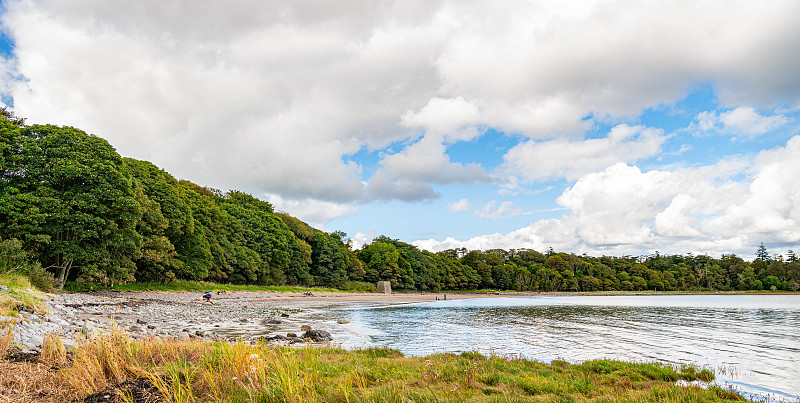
x=604, y=127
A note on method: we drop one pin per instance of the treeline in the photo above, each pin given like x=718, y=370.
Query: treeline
x=87, y=214
x=73, y=205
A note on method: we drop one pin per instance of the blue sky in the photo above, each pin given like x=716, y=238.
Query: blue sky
x=590, y=127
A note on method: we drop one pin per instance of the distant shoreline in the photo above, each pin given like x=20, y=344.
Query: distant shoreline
x=415, y=297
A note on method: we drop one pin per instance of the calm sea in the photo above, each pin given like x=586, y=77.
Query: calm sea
x=750, y=341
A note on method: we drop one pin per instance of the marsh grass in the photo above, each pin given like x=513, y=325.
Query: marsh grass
x=200, y=371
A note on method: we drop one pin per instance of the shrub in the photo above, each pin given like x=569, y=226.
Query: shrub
x=359, y=286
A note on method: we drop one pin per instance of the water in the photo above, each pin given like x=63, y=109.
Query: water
x=750, y=341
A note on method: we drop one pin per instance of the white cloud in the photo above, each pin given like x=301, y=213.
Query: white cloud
x=427, y=161
x=363, y=238
x=743, y=120
x=268, y=97
x=542, y=160
x=708, y=209
x=452, y=119
x=493, y=211
x=314, y=212
x=461, y=205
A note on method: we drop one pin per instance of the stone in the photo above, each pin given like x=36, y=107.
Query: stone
x=384, y=287
x=305, y=328
x=141, y=322
x=342, y=321
x=284, y=315
x=274, y=322
x=136, y=328
x=291, y=335
x=317, y=335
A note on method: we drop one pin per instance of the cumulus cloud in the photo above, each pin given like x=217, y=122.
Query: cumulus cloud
x=542, y=160
x=269, y=97
x=743, y=120
x=707, y=209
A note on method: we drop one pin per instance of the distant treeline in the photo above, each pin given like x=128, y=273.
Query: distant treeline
x=69, y=202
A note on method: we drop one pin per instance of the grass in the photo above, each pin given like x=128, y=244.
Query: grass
x=20, y=293
x=188, y=285
x=198, y=371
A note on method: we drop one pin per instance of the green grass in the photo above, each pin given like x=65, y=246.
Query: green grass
x=188, y=285
x=198, y=371
x=18, y=294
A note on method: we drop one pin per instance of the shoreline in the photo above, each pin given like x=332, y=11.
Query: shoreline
x=232, y=315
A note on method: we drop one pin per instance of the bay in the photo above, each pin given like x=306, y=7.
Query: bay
x=752, y=342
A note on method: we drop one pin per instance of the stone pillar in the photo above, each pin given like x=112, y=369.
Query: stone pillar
x=384, y=287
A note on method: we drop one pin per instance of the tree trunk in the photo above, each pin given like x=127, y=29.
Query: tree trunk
x=63, y=273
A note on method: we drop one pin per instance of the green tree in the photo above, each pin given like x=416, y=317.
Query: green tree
x=70, y=200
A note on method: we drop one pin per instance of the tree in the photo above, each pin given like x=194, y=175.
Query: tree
x=762, y=253
x=71, y=202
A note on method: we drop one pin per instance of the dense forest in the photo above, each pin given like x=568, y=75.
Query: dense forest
x=72, y=206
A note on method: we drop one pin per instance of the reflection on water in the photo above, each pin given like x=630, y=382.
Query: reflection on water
x=752, y=342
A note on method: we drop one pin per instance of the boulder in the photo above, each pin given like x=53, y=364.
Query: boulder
x=305, y=328
x=291, y=335
x=317, y=335
x=274, y=322
x=342, y=321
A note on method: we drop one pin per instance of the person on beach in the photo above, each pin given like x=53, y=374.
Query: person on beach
x=207, y=297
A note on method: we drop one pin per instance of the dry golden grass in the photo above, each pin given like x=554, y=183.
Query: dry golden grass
x=199, y=371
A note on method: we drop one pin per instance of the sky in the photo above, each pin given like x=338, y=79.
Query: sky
x=598, y=127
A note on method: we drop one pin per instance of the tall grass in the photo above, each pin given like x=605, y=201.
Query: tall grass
x=199, y=371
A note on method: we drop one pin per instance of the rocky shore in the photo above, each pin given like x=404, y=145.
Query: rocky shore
x=247, y=316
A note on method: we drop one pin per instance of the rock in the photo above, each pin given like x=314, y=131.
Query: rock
x=342, y=321
x=141, y=322
x=151, y=327
x=89, y=330
x=317, y=335
x=305, y=328
x=291, y=335
x=284, y=315
x=243, y=320
x=274, y=322
x=200, y=333
x=136, y=328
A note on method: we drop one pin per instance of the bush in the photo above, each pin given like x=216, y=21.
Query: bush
x=39, y=277
x=359, y=286
x=13, y=259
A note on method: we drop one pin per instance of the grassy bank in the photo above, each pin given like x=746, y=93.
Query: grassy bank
x=187, y=285
x=18, y=293
x=190, y=371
